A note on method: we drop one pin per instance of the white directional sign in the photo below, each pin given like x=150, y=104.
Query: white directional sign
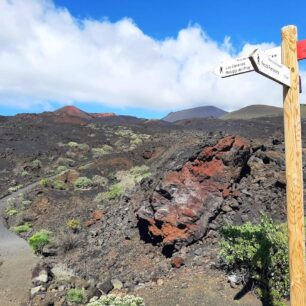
x=243, y=64
x=266, y=66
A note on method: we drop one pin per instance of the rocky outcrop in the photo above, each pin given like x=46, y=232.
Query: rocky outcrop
x=187, y=200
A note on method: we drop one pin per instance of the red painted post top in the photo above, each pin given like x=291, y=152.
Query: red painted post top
x=301, y=49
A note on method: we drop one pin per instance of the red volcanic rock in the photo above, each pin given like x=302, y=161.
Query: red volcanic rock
x=97, y=215
x=72, y=111
x=177, y=262
x=181, y=207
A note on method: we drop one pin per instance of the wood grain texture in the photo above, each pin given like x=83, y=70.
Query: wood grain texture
x=294, y=174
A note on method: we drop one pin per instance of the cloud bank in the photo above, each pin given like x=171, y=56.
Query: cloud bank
x=47, y=55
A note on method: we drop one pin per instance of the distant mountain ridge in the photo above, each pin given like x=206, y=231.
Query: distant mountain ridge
x=67, y=114
x=197, y=112
x=254, y=111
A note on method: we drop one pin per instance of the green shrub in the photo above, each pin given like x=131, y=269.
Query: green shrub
x=59, y=185
x=11, y=211
x=62, y=161
x=99, y=152
x=113, y=300
x=77, y=296
x=38, y=240
x=260, y=252
x=15, y=188
x=73, y=224
x=56, y=184
x=80, y=146
x=45, y=182
x=114, y=193
x=83, y=182
x=24, y=173
x=72, y=144
x=24, y=228
x=36, y=164
x=60, y=169
x=100, y=180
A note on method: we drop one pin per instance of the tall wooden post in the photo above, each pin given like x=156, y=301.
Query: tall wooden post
x=294, y=175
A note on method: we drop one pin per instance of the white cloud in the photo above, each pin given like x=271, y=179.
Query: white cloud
x=47, y=55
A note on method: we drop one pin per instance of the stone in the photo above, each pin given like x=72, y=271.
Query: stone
x=97, y=215
x=105, y=287
x=160, y=282
x=117, y=284
x=177, y=262
x=40, y=274
x=36, y=290
x=180, y=208
x=49, y=250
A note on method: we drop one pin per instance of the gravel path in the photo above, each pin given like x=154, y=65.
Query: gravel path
x=16, y=260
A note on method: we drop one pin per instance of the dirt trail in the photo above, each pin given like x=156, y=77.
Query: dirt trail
x=17, y=260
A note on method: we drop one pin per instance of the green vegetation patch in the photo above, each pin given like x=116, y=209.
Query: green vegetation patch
x=113, y=300
x=24, y=228
x=15, y=188
x=83, y=182
x=100, y=180
x=60, y=169
x=38, y=240
x=55, y=184
x=259, y=252
x=100, y=152
x=127, y=180
x=73, y=224
x=24, y=173
x=78, y=146
x=77, y=296
x=11, y=211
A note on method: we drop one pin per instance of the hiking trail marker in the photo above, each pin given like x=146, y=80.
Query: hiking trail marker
x=286, y=73
x=264, y=65
x=243, y=64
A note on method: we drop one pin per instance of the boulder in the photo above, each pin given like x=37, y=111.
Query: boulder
x=179, y=210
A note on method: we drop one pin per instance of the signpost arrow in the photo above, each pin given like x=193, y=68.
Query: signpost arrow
x=264, y=65
x=243, y=64
x=301, y=49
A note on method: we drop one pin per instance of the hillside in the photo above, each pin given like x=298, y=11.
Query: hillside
x=133, y=205
x=254, y=111
x=197, y=112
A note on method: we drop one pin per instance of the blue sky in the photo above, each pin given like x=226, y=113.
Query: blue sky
x=204, y=25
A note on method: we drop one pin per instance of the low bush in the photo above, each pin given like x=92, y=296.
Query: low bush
x=83, y=182
x=38, y=240
x=36, y=164
x=100, y=180
x=113, y=300
x=15, y=188
x=59, y=185
x=72, y=144
x=62, y=161
x=77, y=296
x=73, y=224
x=60, y=169
x=114, y=193
x=79, y=146
x=11, y=212
x=24, y=228
x=67, y=241
x=258, y=252
x=45, y=182
x=56, y=184
x=24, y=173
x=100, y=152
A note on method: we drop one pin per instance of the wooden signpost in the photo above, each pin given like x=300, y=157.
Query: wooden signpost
x=243, y=64
x=287, y=74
